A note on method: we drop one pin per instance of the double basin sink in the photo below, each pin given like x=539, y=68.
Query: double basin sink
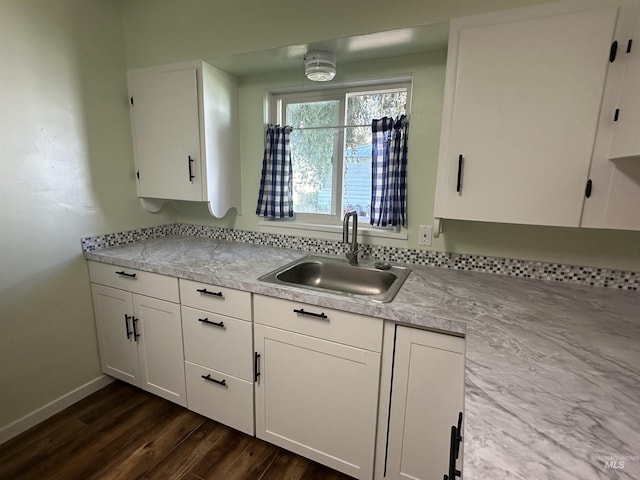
x=379, y=281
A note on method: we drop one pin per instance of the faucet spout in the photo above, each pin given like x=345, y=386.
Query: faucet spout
x=351, y=255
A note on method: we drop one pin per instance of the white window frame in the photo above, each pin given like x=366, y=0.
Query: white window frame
x=331, y=224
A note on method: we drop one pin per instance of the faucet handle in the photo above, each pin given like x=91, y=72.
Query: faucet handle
x=352, y=256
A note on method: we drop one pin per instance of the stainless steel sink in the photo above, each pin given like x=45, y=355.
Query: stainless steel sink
x=376, y=281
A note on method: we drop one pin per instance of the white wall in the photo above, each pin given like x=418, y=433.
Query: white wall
x=66, y=171
x=165, y=31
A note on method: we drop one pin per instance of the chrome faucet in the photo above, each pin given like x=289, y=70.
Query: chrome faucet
x=352, y=255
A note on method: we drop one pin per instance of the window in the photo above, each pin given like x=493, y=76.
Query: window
x=331, y=146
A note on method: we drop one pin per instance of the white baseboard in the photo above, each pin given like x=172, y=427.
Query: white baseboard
x=41, y=414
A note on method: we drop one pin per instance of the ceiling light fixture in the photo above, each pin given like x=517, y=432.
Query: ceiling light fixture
x=320, y=66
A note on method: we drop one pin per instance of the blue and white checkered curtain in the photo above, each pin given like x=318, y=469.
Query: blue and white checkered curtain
x=389, y=172
x=276, y=185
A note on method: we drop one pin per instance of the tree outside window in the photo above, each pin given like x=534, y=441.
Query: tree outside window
x=331, y=145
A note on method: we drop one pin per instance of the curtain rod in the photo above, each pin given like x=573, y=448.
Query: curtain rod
x=331, y=126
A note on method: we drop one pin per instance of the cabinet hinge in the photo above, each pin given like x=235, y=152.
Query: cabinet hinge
x=131, y=100
x=629, y=45
x=613, y=51
x=587, y=192
x=616, y=114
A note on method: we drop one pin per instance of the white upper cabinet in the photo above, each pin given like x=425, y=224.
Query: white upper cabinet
x=523, y=93
x=184, y=120
x=615, y=171
x=626, y=141
x=166, y=126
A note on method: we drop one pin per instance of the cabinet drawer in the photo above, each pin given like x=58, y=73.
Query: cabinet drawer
x=329, y=324
x=136, y=281
x=231, y=403
x=222, y=300
x=219, y=342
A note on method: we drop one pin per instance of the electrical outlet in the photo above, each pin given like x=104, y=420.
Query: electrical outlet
x=425, y=235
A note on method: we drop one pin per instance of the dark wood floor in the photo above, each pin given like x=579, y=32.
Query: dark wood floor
x=124, y=433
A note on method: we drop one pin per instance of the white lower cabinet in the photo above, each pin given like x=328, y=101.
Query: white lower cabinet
x=219, y=342
x=118, y=348
x=140, y=337
x=160, y=348
x=315, y=396
x=352, y=392
x=218, y=353
x=220, y=396
x=426, y=399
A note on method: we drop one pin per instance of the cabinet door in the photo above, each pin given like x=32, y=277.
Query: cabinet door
x=615, y=169
x=161, y=354
x=166, y=131
x=522, y=98
x=118, y=349
x=317, y=399
x=427, y=394
x=626, y=141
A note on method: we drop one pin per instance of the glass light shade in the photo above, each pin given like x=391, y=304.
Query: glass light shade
x=320, y=66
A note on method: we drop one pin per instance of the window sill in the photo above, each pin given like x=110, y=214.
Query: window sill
x=330, y=231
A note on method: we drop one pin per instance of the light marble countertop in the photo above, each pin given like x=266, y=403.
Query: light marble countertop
x=552, y=382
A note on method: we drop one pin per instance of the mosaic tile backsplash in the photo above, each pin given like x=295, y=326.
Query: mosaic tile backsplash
x=600, y=277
